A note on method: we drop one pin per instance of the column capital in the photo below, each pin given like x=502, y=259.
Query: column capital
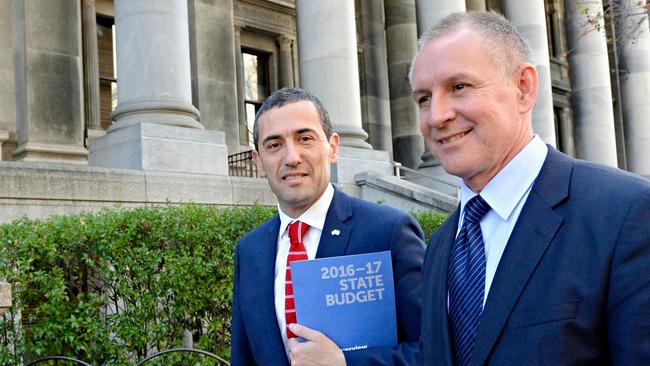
x=284, y=41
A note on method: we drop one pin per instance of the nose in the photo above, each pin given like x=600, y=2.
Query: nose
x=292, y=155
x=440, y=111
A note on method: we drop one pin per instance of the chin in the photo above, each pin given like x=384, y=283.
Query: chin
x=457, y=171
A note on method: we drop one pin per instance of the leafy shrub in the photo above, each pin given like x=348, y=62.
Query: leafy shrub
x=429, y=221
x=113, y=286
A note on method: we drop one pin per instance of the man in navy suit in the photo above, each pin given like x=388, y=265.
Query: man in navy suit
x=294, y=148
x=562, y=273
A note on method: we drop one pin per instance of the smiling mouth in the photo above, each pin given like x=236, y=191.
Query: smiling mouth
x=453, y=138
x=291, y=177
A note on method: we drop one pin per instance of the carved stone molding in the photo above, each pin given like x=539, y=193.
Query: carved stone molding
x=265, y=16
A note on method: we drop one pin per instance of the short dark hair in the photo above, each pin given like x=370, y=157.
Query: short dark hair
x=507, y=45
x=291, y=95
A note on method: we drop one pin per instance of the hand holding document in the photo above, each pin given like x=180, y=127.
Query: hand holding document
x=350, y=299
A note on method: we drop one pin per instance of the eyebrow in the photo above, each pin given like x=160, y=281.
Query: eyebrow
x=275, y=137
x=417, y=92
x=450, y=79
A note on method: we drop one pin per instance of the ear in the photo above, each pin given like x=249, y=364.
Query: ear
x=527, y=81
x=258, y=163
x=335, y=140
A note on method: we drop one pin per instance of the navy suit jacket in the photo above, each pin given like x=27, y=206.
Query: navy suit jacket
x=364, y=228
x=573, y=284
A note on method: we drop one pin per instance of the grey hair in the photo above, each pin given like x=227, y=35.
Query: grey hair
x=291, y=95
x=504, y=42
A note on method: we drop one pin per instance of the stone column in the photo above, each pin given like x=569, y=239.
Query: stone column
x=286, y=61
x=90, y=69
x=531, y=21
x=213, y=48
x=156, y=126
x=375, y=98
x=241, y=93
x=475, y=5
x=48, y=81
x=153, y=64
x=401, y=40
x=431, y=11
x=566, y=137
x=635, y=85
x=327, y=46
x=7, y=90
x=591, y=94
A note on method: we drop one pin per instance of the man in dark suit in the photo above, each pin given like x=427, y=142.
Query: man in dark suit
x=294, y=147
x=547, y=259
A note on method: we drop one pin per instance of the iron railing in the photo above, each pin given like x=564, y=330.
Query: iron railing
x=242, y=165
x=426, y=180
x=219, y=360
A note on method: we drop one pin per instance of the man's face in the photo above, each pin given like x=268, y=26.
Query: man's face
x=295, y=155
x=471, y=115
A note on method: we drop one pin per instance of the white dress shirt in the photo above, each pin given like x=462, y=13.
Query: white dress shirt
x=506, y=194
x=315, y=218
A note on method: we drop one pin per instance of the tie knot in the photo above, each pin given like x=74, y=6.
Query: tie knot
x=475, y=209
x=297, y=231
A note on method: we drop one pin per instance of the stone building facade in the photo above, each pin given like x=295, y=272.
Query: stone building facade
x=150, y=101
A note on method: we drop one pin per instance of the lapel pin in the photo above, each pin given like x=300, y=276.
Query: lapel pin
x=336, y=232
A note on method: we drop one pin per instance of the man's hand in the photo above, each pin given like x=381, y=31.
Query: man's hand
x=316, y=350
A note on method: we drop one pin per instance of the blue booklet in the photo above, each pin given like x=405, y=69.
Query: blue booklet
x=350, y=299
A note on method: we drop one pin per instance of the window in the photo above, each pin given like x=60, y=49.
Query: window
x=256, y=85
x=107, y=69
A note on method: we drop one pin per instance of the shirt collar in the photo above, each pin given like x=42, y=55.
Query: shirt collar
x=510, y=185
x=314, y=216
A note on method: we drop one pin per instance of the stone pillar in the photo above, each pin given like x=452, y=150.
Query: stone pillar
x=90, y=69
x=215, y=72
x=635, y=85
x=328, y=64
x=401, y=40
x=591, y=94
x=475, y=5
x=153, y=64
x=7, y=90
x=241, y=93
x=566, y=138
x=431, y=11
x=531, y=21
x=156, y=125
x=286, y=61
x=48, y=81
x=375, y=98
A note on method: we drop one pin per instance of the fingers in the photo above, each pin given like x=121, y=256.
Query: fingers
x=305, y=332
x=293, y=344
x=317, y=350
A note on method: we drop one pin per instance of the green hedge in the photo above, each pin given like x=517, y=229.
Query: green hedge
x=112, y=286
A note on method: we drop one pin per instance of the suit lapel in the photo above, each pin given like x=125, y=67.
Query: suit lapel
x=337, y=229
x=266, y=326
x=440, y=324
x=534, y=231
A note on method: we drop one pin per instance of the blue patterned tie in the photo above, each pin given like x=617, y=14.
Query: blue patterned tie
x=466, y=280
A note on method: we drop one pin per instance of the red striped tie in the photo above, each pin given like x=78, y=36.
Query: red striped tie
x=297, y=252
